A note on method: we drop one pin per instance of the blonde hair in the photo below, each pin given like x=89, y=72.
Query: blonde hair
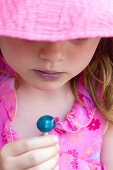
x=98, y=75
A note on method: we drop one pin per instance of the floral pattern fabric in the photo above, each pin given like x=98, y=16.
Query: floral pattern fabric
x=80, y=135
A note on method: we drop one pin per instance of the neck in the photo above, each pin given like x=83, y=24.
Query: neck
x=33, y=93
x=53, y=102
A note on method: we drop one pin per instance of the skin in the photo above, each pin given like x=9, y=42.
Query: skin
x=23, y=56
x=36, y=153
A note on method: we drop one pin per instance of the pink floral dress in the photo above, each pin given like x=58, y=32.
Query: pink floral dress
x=80, y=135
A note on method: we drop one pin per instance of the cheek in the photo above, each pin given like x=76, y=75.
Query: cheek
x=79, y=61
x=8, y=53
x=79, y=64
x=83, y=55
x=14, y=51
x=14, y=61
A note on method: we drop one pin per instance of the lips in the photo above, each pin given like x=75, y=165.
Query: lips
x=49, y=75
x=48, y=72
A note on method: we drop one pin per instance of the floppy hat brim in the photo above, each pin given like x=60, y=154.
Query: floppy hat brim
x=56, y=20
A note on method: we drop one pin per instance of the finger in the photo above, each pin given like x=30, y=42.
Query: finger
x=56, y=168
x=35, y=157
x=21, y=146
x=48, y=165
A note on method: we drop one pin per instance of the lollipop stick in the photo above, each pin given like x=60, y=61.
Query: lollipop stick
x=46, y=133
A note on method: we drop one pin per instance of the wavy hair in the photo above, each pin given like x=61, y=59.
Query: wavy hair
x=98, y=76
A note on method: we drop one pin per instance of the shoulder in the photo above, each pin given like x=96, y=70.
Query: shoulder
x=107, y=148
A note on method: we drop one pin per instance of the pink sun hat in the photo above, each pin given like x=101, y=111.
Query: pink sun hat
x=53, y=20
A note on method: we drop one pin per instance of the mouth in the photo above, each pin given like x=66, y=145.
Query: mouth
x=49, y=75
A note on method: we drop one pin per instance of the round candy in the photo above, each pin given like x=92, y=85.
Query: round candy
x=46, y=123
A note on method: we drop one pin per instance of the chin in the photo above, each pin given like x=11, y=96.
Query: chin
x=47, y=87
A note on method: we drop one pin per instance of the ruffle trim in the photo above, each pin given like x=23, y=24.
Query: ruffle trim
x=80, y=115
x=7, y=90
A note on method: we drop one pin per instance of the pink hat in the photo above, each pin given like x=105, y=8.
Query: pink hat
x=53, y=20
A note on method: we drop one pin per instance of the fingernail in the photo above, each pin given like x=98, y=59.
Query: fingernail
x=58, y=147
x=57, y=167
x=57, y=155
x=56, y=139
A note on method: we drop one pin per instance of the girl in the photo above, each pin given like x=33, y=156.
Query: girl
x=56, y=59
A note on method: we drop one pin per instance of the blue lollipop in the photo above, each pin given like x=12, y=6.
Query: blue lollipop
x=46, y=124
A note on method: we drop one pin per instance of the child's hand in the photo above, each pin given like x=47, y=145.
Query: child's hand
x=36, y=153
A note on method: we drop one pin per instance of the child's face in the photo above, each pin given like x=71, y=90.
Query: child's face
x=66, y=58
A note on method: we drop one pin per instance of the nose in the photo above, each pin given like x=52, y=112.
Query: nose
x=52, y=51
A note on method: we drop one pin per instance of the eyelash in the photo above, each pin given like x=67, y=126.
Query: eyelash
x=78, y=40
x=81, y=39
